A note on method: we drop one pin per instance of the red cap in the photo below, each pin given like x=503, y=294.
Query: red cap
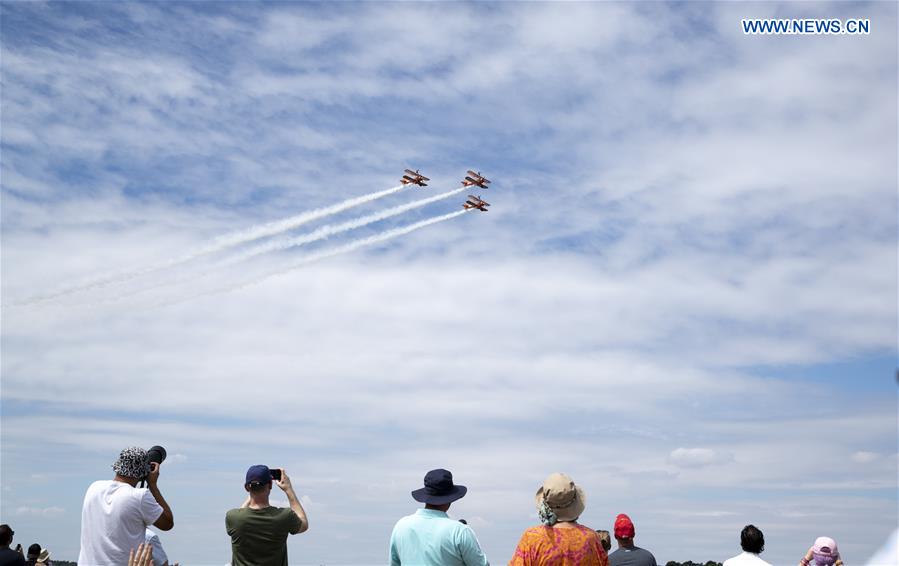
x=624, y=527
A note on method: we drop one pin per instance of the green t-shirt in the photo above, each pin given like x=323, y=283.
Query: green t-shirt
x=259, y=536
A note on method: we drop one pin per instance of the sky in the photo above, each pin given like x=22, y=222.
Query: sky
x=684, y=294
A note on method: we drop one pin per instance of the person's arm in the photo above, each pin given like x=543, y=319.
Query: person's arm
x=166, y=520
x=246, y=502
x=284, y=484
x=470, y=548
x=394, y=555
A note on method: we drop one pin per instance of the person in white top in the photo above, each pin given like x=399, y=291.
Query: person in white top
x=753, y=542
x=116, y=513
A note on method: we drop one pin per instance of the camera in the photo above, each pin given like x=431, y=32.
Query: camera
x=156, y=454
x=276, y=473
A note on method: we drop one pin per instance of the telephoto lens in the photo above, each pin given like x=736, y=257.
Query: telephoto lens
x=156, y=454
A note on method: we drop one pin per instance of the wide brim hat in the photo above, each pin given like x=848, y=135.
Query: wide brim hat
x=439, y=488
x=566, y=499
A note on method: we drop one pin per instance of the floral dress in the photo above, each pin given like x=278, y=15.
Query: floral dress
x=548, y=546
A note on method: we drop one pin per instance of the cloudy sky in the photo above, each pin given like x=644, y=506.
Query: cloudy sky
x=684, y=294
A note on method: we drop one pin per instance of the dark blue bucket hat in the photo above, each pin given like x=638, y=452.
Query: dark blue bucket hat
x=439, y=488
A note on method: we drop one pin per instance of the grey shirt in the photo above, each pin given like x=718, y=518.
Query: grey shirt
x=632, y=557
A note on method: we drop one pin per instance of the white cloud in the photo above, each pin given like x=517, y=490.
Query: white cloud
x=865, y=457
x=47, y=512
x=698, y=457
x=672, y=204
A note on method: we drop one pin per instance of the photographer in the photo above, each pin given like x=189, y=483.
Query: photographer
x=116, y=512
x=259, y=531
x=8, y=556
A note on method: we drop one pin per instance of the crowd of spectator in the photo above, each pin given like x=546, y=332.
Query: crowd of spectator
x=36, y=555
x=116, y=515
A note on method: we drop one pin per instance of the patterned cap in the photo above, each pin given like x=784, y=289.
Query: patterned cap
x=133, y=463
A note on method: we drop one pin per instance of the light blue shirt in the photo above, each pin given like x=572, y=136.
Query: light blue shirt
x=431, y=538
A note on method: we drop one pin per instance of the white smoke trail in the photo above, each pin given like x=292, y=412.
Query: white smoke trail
x=283, y=244
x=218, y=244
x=346, y=248
x=333, y=229
x=278, y=226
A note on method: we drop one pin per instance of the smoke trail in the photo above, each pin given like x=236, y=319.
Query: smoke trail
x=319, y=234
x=278, y=226
x=332, y=229
x=218, y=244
x=346, y=248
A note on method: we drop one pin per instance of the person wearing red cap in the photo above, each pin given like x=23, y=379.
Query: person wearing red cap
x=627, y=553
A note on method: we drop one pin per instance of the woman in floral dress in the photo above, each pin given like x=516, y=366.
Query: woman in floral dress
x=560, y=540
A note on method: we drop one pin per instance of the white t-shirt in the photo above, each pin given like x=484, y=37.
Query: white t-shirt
x=745, y=559
x=114, y=520
x=159, y=556
x=888, y=555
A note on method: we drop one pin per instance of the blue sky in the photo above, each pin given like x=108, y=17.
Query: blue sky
x=684, y=295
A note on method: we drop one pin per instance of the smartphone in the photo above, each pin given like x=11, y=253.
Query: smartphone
x=276, y=474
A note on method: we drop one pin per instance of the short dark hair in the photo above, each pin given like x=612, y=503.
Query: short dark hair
x=34, y=550
x=256, y=487
x=6, y=534
x=752, y=540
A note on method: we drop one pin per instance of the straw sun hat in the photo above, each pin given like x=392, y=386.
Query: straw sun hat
x=559, y=499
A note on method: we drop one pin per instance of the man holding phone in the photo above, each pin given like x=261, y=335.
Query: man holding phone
x=259, y=531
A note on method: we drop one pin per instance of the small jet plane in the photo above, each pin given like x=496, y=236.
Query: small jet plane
x=476, y=202
x=414, y=178
x=475, y=180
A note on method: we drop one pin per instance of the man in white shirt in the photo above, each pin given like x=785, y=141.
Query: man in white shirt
x=116, y=513
x=753, y=542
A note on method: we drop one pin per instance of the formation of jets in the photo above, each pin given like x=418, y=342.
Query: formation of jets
x=472, y=179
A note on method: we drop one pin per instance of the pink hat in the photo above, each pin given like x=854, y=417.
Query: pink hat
x=825, y=551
